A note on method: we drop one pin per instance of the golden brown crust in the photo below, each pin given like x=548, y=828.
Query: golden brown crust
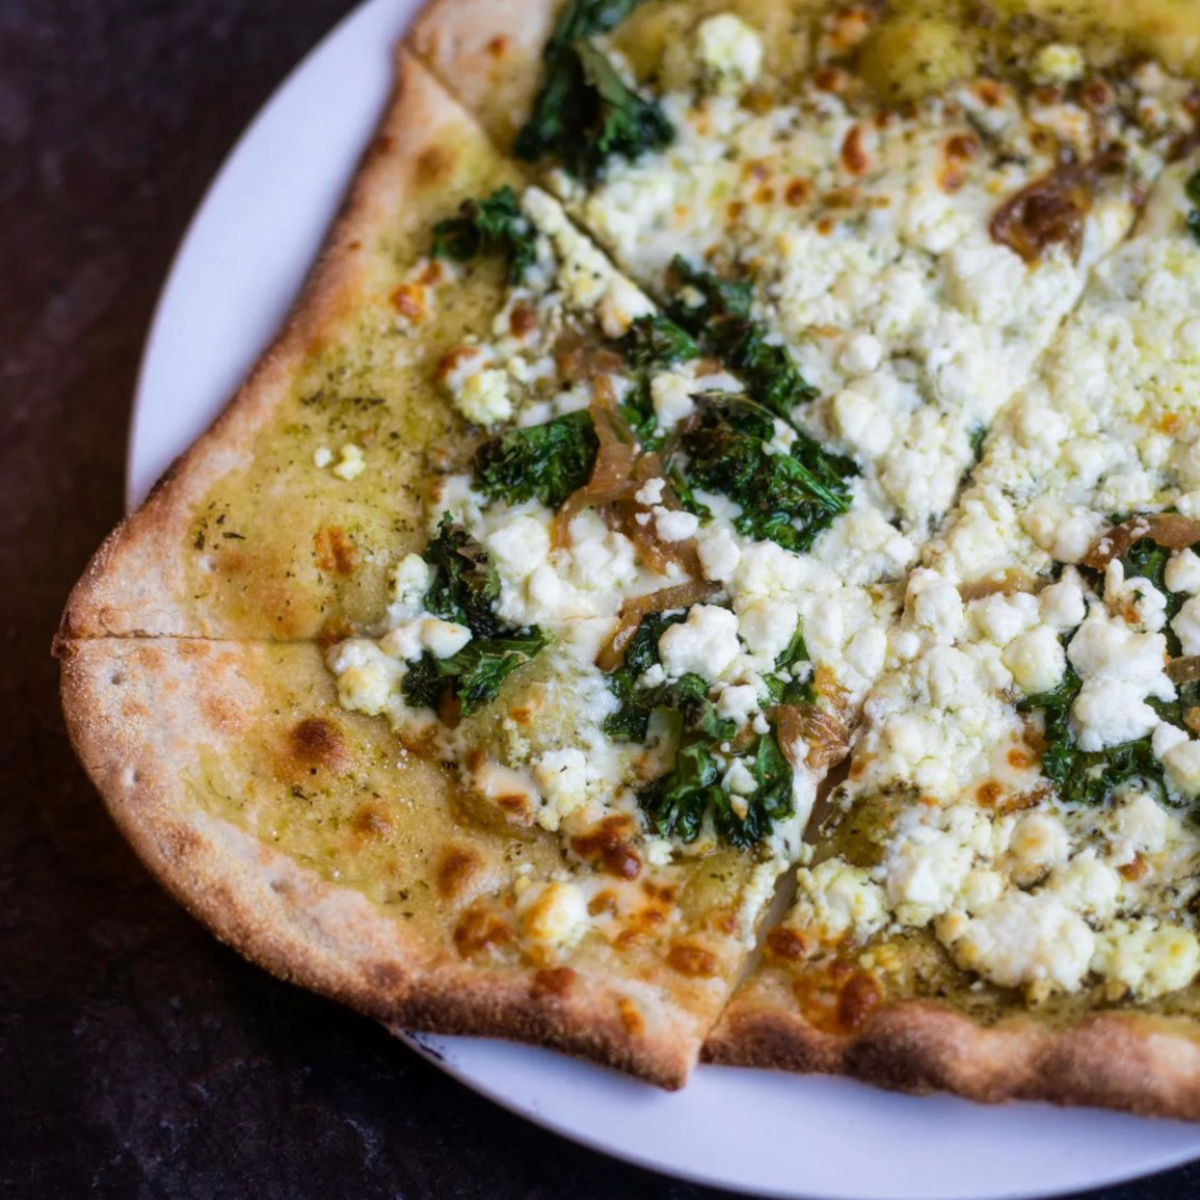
x=143, y=716
x=1126, y=1061
x=488, y=55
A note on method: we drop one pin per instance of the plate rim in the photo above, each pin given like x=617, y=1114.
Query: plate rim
x=444, y=1052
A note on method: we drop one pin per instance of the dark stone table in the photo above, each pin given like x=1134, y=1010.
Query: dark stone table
x=138, y=1058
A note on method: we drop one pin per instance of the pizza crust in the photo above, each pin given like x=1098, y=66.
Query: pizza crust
x=426, y=156
x=488, y=55
x=142, y=714
x=1126, y=1061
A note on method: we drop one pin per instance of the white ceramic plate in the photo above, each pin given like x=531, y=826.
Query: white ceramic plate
x=236, y=273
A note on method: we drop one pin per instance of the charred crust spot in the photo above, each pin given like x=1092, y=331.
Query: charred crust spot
x=408, y=299
x=631, y=1017
x=787, y=944
x=854, y=155
x=220, y=712
x=318, y=742
x=609, y=845
x=434, y=164
x=692, y=960
x=989, y=793
x=522, y=320
x=334, y=551
x=499, y=46
x=371, y=822
x=455, y=870
x=180, y=842
x=386, y=975
x=552, y=982
x=860, y=996
x=478, y=929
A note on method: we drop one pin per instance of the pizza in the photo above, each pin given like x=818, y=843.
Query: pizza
x=710, y=567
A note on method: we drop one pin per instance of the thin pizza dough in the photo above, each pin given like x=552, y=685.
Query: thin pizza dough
x=739, y=386
x=424, y=582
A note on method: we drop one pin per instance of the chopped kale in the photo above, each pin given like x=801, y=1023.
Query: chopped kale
x=584, y=112
x=789, y=498
x=687, y=497
x=784, y=688
x=704, y=298
x=1086, y=777
x=464, y=590
x=1192, y=189
x=1146, y=559
x=657, y=341
x=677, y=803
x=637, y=408
x=652, y=341
x=472, y=676
x=629, y=722
x=770, y=802
x=721, y=319
x=465, y=584
x=495, y=223
x=547, y=461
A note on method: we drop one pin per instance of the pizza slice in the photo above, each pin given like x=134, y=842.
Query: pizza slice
x=457, y=505
x=335, y=859
x=1003, y=899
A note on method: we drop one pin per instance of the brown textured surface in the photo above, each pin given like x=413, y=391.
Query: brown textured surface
x=138, y=1058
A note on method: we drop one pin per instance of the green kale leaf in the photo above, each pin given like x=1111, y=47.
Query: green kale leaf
x=629, y=722
x=721, y=319
x=464, y=590
x=688, y=500
x=789, y=498
x=495, y=223
x=783, y=688
x=547, y=461
x=1086, y=777
x=465, y=585
x=472, y=676
x=1192, y=189
x=677, y=803
x=654, y=341
x=584, y=112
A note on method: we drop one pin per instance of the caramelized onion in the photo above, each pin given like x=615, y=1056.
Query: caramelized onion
x=1170, y=530
x=1007, y=583
x=824, y=733
x=682, y=595
x=1051, y=209
x=1184, y=670
x=618, y=474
